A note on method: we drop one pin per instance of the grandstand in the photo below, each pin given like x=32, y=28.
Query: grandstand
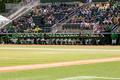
x=59, y=39
x=60, y=22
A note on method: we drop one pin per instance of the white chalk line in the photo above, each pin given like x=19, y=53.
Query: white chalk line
x=89, y=77
x=60, y=49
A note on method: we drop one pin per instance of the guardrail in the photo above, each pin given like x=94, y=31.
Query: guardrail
x=58, y=39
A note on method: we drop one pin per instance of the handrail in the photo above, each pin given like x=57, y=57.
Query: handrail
x=70, y=15
x=62, y=20
x=20, y=12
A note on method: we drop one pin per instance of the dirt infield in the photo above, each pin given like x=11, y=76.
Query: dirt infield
x=60, y=64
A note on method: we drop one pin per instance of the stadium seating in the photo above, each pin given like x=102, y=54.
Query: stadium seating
x=44, y=16
x=98, y=18
x=90, y=23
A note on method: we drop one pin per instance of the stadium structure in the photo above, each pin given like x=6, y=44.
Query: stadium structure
x=70, y=22
x=59, y=39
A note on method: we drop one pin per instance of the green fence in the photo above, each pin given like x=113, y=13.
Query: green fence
x=48, y=35
x=59, y=39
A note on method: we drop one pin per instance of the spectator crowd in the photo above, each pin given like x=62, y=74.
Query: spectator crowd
x=98, y=17
x=39, y=19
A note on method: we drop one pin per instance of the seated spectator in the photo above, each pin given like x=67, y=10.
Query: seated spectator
x=37, y=29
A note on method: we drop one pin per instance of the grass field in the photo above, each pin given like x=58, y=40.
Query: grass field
x=111, y=69
x=28, y=55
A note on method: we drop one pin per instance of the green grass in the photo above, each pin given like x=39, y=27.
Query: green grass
x=111, y=69
x=25, y=57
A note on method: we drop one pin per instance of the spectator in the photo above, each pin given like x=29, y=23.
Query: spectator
x=37, y=29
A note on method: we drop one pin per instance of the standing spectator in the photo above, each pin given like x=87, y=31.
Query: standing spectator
x=114, y=38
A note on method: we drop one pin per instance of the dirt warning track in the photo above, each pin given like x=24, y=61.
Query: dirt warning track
x=58, y=64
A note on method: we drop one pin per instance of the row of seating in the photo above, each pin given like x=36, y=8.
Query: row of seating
x=98, y=17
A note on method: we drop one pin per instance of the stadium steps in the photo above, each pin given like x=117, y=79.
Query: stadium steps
x=57, y=28
x=21, y=11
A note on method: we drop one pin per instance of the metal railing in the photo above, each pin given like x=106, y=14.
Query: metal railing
x=20, y=12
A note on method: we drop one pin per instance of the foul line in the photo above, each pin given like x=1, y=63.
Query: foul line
x=59, y=64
